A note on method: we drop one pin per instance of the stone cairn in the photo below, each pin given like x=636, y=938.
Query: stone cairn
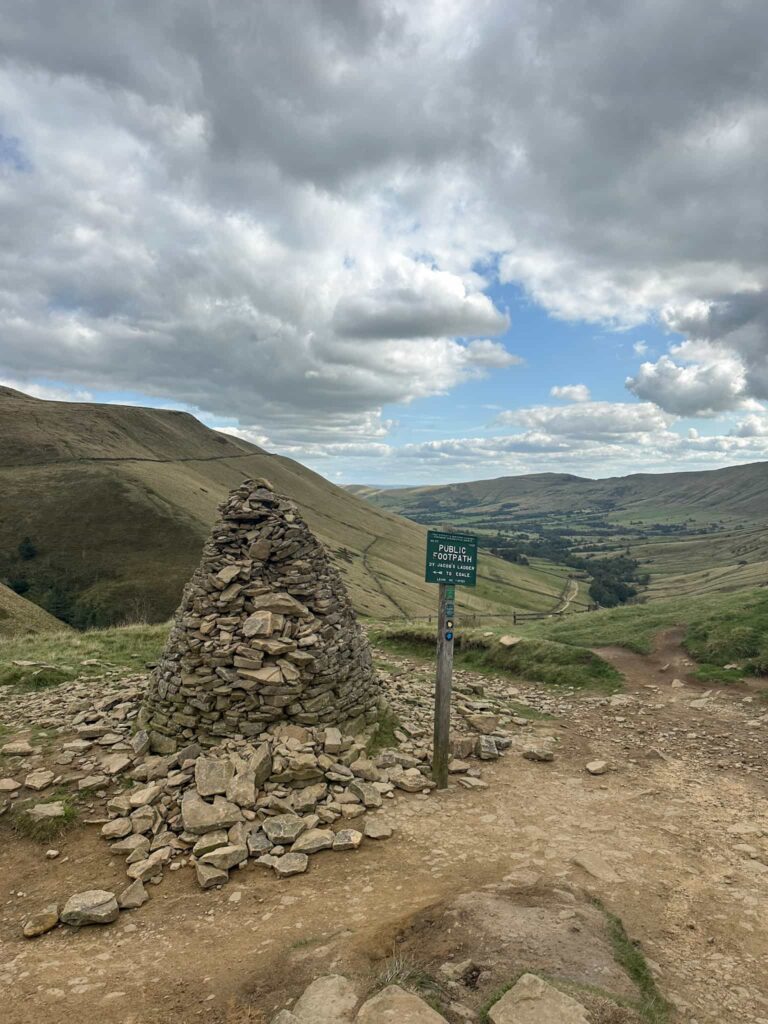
x=265, y=633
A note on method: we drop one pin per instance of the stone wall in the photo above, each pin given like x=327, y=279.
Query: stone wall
x=265, y=632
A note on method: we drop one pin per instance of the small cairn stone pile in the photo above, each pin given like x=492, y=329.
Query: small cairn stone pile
x=265, y=633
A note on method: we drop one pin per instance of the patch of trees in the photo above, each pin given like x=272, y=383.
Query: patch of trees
x=613, y=579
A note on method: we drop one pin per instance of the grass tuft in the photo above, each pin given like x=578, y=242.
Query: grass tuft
x=43, y=831
x=59, y=657
x=384, y=737
x=653, y=1006
x=536, y=660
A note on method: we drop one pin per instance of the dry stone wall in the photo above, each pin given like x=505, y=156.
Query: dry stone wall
x=265, y=632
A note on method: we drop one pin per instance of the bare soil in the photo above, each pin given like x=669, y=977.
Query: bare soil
x=676, y=833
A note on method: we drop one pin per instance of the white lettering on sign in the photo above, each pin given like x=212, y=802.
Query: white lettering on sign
x=452, y=553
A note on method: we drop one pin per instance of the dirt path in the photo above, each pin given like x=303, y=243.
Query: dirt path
x=678, y=829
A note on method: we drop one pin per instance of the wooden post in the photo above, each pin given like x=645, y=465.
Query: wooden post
x=443, y=689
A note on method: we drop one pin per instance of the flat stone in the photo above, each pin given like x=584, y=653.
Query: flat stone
x=225, y=857
x=38, y=780
x=200, y=817
x=597, y=767
x=368, y=795
x=291, y=864
x=328, y=1000
x=211, y=841
x=116, y=763
x=212, y=775
x=209, y=876
x=538, y=752
x=261, y=623
x=92, y=782
x=510, y=641
x=145, y=795
x=375, y=829
x=284, y=828
x=41, y=922
x=457, y=767
x=393, y=1005
x=94, y=906
x=485, y=724
x=594, y=865
x=533, y=1001
x=133, y=842
x=118, y=828
x=347, y=839
x=313, y=840
x=285, y=1017
x=47, y=812
x=151, y=866
x=18, y=748
x=9, y=785
x=133, y=897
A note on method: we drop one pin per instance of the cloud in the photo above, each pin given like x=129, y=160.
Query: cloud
x=591, y=420
x=291, y=215
x=640, y=348
x=571, y=392
x=700, y=389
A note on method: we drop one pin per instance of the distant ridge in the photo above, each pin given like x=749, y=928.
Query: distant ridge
x=117, y=501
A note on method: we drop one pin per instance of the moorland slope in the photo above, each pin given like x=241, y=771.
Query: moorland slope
x=105, y=508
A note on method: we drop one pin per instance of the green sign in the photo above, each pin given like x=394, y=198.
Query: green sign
x=451, y=558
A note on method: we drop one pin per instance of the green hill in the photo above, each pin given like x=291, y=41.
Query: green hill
x=105, y=509
x=21, y=618
x=692, y=532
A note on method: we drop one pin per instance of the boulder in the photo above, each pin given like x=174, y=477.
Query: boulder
x=375, y=829
x=225, y=857
x=347, y=839
x=291, y=864
x=212, y=775
x=313, y=840
x=284, y=828
x=200, y=817
x=328, y=1000
x=94, y=906
x=209, y=876
x=533, y=1001
x=393, y=1005
x=39, y=779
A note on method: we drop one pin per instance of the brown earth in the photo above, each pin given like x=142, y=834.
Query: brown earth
x=675, y=836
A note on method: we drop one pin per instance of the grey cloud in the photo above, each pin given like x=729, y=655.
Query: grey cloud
x=274, y=212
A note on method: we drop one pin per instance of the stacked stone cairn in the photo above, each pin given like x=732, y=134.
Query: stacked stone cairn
x=265, y=633
x=251, y=742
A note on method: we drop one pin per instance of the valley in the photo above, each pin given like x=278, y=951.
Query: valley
x=690, y=533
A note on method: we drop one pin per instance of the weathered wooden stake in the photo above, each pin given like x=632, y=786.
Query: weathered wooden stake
x=443, y=688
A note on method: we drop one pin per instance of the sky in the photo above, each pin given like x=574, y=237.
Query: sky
x=400, y=242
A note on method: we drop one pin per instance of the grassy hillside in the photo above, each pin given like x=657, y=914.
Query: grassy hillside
x=20, y=618
x=736, y=491
x=692, y=532
x=105, y=509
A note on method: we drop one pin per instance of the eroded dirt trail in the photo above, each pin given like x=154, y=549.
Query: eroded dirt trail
x=675, y=845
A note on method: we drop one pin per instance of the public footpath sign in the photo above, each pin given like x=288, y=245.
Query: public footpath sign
x=451, y=560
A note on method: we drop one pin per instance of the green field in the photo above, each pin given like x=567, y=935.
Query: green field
x=693, y=533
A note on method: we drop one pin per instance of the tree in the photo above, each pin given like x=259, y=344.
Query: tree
x=27, y=549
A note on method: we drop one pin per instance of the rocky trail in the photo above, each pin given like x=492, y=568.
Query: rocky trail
x=668, y=829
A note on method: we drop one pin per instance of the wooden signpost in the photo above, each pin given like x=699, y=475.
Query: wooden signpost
x=451, y=561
